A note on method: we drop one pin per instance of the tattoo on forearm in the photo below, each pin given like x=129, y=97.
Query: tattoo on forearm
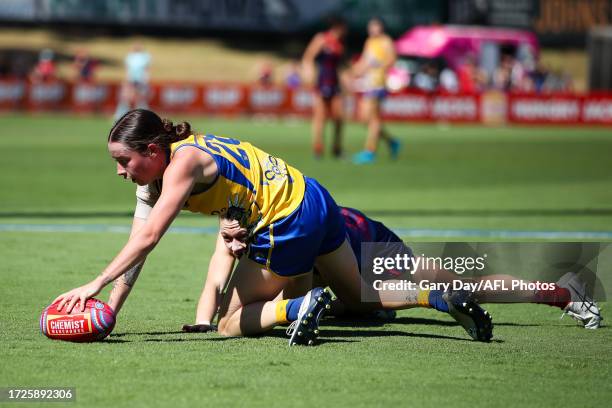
x=131, y=275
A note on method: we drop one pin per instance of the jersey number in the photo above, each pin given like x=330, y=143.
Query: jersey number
x=216, y=143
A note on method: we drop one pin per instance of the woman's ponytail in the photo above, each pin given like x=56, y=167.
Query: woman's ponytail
x=139, y=127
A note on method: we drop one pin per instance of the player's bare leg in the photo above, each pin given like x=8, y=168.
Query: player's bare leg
x=319, y=116
x=248, y=306
x=141, y=96
x=374, y=124
x=337, y=116
x=339, y=268
x=486, y=295
x=505, y=296
x=126, y=99
x=367, y=115
x=297, y=287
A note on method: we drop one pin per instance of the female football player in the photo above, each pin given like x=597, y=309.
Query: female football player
x=359, y=229
x=377, y=57
x=569, y=294
x=326, y=50
x=293, y=222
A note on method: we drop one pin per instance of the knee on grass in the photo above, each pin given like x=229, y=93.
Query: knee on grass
x=226, y=326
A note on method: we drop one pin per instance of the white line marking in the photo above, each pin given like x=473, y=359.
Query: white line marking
x=403, y=232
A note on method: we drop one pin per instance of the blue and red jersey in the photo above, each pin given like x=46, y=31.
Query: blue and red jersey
x=360, y=229
x=328, y=61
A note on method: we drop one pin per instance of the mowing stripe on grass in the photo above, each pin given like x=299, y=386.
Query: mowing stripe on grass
x=404, y=232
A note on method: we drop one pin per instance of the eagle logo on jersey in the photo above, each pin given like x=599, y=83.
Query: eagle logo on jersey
x=275, y=171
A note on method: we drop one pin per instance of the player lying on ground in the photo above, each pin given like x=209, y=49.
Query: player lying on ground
x=293, y=224
x=569, y=293
x=296, y=292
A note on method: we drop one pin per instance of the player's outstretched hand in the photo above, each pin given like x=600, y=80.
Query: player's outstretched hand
x=78, y=295
x=199, y=328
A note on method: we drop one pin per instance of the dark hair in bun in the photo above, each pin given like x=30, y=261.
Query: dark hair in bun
x=140, y=127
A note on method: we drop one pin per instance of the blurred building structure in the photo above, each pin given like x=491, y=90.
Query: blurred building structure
x=600, y=59
x=496, y=79
x=249, y=15
x=556, y=22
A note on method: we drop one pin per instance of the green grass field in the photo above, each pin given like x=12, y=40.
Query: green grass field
x=56, y=172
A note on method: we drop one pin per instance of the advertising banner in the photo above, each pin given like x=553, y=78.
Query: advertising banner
x=492, y=107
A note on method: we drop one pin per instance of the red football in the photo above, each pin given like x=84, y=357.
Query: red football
x=95, y=323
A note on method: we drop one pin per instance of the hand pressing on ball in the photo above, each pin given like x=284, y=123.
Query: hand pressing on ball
x=199, y=328
x=78, y=295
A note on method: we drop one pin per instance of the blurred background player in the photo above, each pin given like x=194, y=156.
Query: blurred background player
x=45, y=69
x=84, y=66
x=471, y=77
x=264, y=73
x=135, y=90
x=377, y=57
x=325, y=51
x=292, y=75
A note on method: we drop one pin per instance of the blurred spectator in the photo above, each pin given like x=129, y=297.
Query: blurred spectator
x=557, y=81
x=264, y=71
x=398, y=78
x=449, y=81
x=518, y=73
x=502, y=77
x=525, y=55
x=137, y=64
x=512, y=76
x=293, y=79
x=135, y=90
x=84, y=66
x=471, y=78
x=538, y=77
x=45, y=68
x=427, y=78
x=525, y=85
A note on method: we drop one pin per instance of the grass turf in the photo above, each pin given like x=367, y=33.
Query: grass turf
x=447, y=177
x=55, y=170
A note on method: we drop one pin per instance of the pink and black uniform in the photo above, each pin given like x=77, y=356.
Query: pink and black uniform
x=328, y=60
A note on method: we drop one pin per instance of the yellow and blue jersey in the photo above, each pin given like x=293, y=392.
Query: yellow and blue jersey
x=249, y=179
x=377, y=55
